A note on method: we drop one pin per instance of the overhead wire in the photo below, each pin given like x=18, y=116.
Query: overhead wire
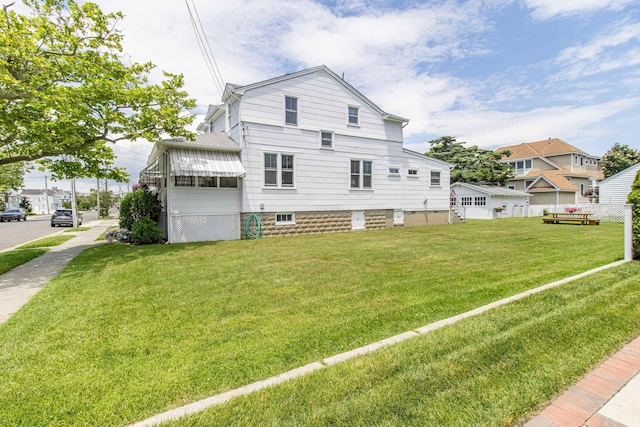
x=207, y=53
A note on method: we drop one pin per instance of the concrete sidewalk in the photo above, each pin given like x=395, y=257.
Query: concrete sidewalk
x=607, y=397
x=18, y=285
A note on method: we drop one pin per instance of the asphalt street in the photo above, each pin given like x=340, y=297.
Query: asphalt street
x=15, y=233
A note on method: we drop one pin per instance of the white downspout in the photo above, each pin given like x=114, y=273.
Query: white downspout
x=167, y=174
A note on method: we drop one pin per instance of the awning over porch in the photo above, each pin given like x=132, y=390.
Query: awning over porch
x=151, y=174
x=186, y=162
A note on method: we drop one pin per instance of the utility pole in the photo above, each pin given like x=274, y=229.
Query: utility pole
x=106, y=194
x=74, y=210
x=46, y=194
x=98, y=194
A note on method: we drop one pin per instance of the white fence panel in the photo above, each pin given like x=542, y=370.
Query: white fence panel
x=204, y=228
x=604, y=212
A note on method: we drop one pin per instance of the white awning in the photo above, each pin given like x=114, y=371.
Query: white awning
x=151, y=174
x=186, y=162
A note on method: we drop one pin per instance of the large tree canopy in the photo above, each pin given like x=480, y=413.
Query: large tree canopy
x=618, y=158
x=473, y=164
x=67, y=92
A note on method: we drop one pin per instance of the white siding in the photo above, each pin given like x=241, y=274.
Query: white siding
x=511, y=204
x=191, y=200
x=616, y=189
x=322, y=104
x=322, y=176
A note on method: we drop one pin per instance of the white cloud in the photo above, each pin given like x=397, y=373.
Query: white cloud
x=617, y=47
x=493, y=127
x=549, y=9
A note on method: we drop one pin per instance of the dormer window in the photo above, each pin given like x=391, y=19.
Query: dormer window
x=291, y=110
x=354, y=118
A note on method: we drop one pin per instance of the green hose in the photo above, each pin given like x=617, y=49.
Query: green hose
x=253, y=228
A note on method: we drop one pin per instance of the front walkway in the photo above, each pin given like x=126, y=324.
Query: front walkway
x=607, y=397
x=18, y=285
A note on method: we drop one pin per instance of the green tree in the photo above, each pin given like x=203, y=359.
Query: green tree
x=25, y=204
x=618, y=158
x=473, y=164
x=67, y=93
x=90, y=201
x=11, y=178
x=140, y=203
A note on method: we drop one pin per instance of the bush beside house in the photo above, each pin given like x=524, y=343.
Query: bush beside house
x=140, y=212
x=634, y=199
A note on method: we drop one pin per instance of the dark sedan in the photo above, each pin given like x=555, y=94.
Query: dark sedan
x=64, y=217
x=13, y=215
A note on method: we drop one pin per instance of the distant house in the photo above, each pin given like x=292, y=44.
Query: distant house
x=554, y=171
x=306, y=153
x=616, y=188
x=39, y=198
x=488, y=201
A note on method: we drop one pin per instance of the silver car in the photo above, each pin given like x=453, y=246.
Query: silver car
x=13, y=215
x=64, y=217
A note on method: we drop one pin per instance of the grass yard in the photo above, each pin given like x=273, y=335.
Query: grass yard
x=496, y=369
x=75, y=229
x=12, y=259
x=125, y=332
x=46, y=242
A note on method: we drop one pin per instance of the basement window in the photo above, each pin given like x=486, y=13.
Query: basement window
x=285, y=219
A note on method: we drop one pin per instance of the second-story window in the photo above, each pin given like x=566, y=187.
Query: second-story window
x=287, y=170
x=354, y=118
x=326, y=139
x=291, y=110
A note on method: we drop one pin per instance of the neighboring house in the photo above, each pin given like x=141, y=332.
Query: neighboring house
x=554, y=171
x=488, y=201
x=41, y=200
x=616, y=188
x=306, y=153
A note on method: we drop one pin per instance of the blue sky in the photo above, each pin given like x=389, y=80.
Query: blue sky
x=490, y=72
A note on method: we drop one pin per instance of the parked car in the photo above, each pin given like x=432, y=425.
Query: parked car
x=64, y=217
x=13, y=215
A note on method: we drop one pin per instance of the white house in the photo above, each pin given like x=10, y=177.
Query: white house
x=304, y=152
x=616, y=188
x=488, y=201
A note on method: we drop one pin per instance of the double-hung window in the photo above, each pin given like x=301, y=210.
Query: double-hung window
x=291, y=110
x=354, y=116
x=270, y=170
x=326, y=139
x=361, y=174
x=435, y=177
x=278, y=170
x=287, y=170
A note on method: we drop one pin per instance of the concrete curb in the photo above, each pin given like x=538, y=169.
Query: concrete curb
x=218, y=399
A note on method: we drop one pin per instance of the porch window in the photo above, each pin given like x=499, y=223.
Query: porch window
x=228, y=182
x=208, y=181
x=185, y=181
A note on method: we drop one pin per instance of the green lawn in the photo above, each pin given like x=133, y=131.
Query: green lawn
x=74, y=229
x=46, y=242
x=12, y=259
x=125, y=332
x=497, y=369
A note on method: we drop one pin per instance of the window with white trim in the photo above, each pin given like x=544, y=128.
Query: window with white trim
x=270, y=170
x=326, y=139
x=291, y=110
x=467, y=201
x=394, y=171
x=354, y=116
x=480, y=201
x=413, y=172
x=278, y=170
x=435, y=178
x=228, y=182
x=528, y=164
x=361, y=174
x=285, y=219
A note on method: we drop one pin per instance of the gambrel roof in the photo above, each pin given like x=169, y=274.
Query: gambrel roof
x=231, y=89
